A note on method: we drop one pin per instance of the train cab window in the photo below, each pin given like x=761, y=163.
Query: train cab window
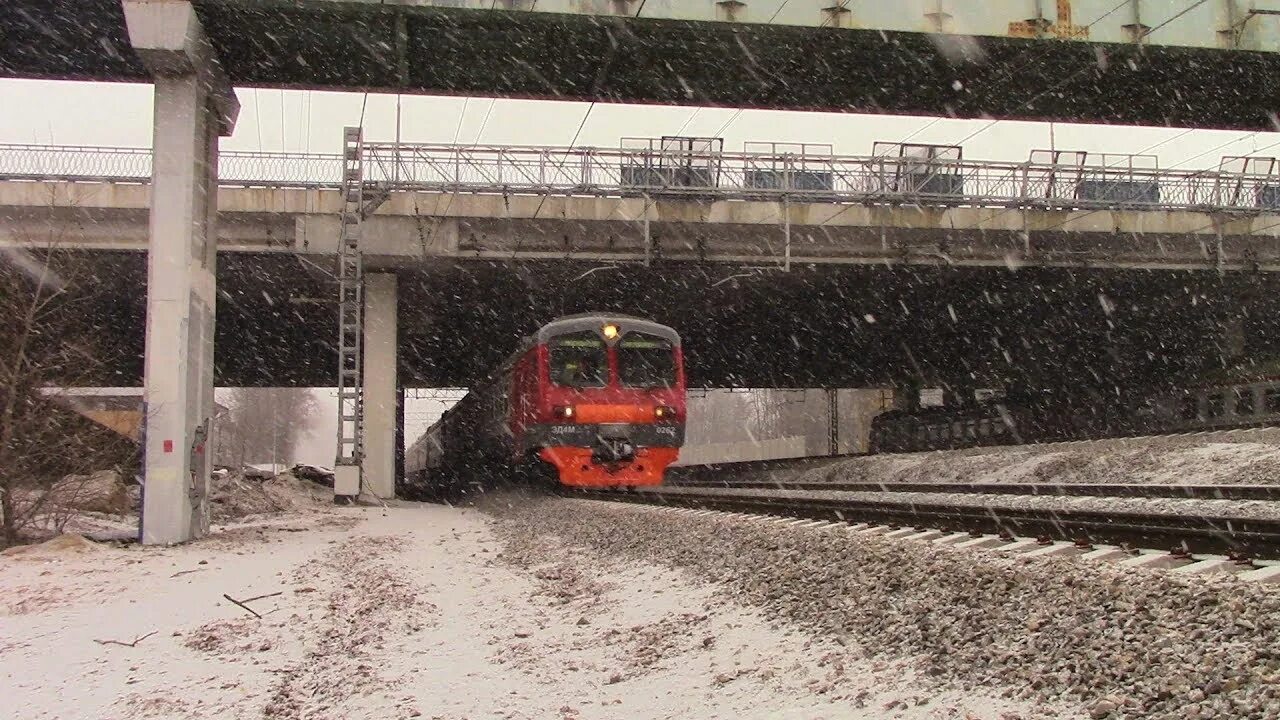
x=1244, y=401
x=579, y=360
x=1217, y=405
x=646, y=361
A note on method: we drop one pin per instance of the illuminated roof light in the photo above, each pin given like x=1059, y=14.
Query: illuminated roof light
x=610, y=331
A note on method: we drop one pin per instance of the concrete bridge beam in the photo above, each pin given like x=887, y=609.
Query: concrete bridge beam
x=193, y=106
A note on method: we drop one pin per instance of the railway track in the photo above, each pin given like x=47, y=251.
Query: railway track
x=1186, y=492
x=1241, y=537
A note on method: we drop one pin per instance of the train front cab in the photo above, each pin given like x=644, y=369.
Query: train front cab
x=614, y=395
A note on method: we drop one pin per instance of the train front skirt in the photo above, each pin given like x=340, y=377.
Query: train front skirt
x=584, y=467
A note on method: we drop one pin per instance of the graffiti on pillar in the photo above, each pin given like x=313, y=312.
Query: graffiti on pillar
x=196, y=488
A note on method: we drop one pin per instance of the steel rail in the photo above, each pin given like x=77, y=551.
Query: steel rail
x=1133, y=490
x=1246, y=537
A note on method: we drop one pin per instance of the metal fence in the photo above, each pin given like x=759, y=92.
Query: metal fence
x=695, y=173
x=816, y=178
x=98, y=164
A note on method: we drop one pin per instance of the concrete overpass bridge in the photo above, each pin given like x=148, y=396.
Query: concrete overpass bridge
x=1198, y=63
x=767, y=207
x=962, y=271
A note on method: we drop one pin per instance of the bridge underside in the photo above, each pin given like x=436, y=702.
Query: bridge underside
x=816, y=326
x=395, y=48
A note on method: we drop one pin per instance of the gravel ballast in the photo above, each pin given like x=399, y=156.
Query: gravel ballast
x=1121, y=643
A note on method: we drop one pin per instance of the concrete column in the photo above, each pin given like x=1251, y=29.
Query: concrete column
x=399, y=441
x=193, y=106
x=381, y=391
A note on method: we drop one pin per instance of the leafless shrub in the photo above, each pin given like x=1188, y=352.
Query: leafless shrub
x=49, y=341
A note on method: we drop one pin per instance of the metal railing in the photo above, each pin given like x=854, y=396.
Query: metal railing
x=808, y=177
x=111, y=164
x=812, y=178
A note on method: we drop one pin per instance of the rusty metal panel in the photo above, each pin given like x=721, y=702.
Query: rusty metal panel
x=1227, y=24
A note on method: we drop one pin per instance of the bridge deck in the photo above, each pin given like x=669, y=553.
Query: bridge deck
x=528, y=203
x=1189, y=64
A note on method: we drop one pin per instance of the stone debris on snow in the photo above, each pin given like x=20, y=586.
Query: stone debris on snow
x=234, y=496
x=105, y=505
x=1120, y=643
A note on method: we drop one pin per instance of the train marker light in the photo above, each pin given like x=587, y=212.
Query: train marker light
x=563, y=412
x=610, y=331
x=663, y=412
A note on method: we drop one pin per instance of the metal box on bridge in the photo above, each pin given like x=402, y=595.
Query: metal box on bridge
x=931, y=183
x=799, y=167
x=912, y=169
x=801, y=180
x=1119, y=193
x=1268, y=197
x=670, y=163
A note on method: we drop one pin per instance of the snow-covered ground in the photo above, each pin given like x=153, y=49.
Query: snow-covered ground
x=1116, y=642
x=1225, y=457
x=418, y=611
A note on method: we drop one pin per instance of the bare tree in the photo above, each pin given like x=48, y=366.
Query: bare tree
x=48, y=342
x=264, y=425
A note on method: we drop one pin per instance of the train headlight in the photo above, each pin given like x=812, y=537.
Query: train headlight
x=610, y=331
x=662, y=412
x=563, y=412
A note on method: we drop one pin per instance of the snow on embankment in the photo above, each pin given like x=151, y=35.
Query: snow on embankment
x=234, y=497
x=106, y=504
x=1048, y=633
x=1240, y=457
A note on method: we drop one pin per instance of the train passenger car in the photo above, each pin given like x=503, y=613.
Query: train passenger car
x=1221, y=405
x=942, y=429
x=1244, y=403
x=593, y=400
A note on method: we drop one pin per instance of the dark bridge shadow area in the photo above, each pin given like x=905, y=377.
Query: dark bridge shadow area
x=811, y=327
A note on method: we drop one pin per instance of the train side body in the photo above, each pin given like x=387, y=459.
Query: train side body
x=1253, y=402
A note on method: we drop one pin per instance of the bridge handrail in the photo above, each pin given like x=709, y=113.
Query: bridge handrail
x=89, y=163
x=833, y=178
x=699, y=175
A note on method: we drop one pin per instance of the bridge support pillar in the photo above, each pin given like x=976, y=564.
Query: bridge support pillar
x=381, y=391
x=193, y=106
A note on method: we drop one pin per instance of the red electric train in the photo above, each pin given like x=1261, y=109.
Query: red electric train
x=592, y=400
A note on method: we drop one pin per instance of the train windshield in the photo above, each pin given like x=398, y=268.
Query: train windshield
x=646, y=361
x=579, y=360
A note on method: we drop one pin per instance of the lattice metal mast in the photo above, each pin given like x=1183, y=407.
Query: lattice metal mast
x=350, y=318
